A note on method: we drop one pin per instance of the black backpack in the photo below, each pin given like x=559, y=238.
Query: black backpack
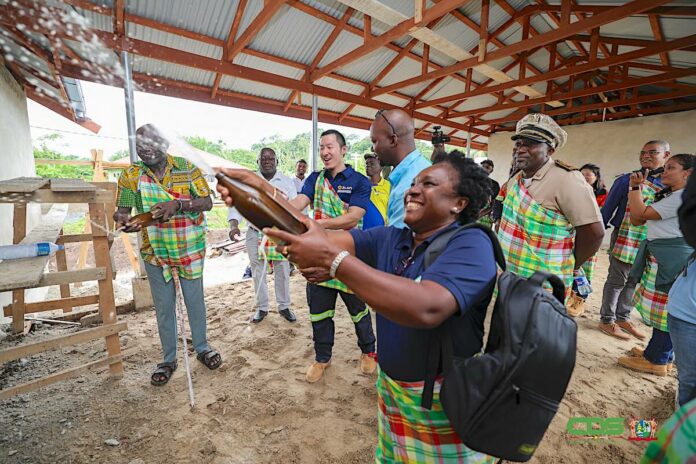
x=502, y=401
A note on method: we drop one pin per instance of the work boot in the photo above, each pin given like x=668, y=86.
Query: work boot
x=637, y=352
x=316, y=371
x=630, y=328
x=368, y=363
x=641, y=364
x=613, y=330
x=575, y=306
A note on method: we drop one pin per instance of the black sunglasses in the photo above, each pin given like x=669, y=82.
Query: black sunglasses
x=381, y=113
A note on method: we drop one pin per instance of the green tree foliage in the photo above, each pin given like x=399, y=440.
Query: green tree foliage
x=58, y=170
x=119, y=155
x=246, y=158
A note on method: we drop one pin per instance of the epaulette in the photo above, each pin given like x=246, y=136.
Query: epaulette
x=564, y=165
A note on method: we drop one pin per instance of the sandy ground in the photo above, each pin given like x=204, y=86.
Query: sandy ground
x=257, y=408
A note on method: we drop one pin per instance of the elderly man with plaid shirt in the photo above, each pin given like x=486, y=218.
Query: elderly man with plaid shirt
x=176, y=194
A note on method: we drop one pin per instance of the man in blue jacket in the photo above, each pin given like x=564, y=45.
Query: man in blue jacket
x=625, y=239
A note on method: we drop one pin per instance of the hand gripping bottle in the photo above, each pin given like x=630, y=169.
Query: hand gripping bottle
x=581, y=285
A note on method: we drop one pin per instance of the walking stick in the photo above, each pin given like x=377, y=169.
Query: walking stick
x=182, y=330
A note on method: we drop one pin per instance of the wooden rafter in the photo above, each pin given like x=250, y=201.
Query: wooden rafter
x=596, y=20
x=657, y=32
x=394, y=33
x=269, y=10
x=574, y=69
x=231, y=36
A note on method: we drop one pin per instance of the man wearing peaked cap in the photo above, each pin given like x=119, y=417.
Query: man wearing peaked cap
x=550, y=220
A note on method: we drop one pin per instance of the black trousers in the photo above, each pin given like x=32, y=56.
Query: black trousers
x=322, y=304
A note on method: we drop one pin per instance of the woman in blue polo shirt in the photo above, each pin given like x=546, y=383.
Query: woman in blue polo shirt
x=385, y=268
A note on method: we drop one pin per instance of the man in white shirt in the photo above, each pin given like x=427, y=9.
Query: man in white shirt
x=300, y=171
x=268, y=164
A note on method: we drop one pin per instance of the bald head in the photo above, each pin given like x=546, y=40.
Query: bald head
x=392, y=135
x=151, y=145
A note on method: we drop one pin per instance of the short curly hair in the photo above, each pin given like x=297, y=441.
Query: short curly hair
x=473, y=184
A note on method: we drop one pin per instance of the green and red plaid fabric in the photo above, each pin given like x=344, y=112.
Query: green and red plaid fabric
x=178, y=243
x=328, y=205
x=589, y=266
x=629, y=237
x=676, y=439
x=267, y=249
x=408, y=433
x=534, y=238
x=650, y=302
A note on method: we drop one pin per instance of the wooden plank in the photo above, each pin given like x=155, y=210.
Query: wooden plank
x=50, y=305
x=22, y=184
x=107, y=303
x=72, y=238
x=68, y=277
x=51, y=321
x=71, y=185
x=60, y=342
x=62, y=265
x=19, y=225
x=48, y=196
x=26, y=273
x=64, y=375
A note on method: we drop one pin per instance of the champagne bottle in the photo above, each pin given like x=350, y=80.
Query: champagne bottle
x=261, y=203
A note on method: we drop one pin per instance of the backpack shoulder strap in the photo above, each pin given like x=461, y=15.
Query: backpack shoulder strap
x=441, y=342
x=438, y=245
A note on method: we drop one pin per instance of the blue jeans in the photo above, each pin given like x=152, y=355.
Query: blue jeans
x=684, y=338
x=659, y=349
x=164, y=297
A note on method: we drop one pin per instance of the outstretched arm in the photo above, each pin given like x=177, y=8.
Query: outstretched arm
x=424, y=304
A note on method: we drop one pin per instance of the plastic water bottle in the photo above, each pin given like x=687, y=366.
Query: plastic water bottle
x=581, y=285
x=29, y=250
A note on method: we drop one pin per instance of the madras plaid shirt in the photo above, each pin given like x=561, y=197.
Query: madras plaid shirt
x=181, y=178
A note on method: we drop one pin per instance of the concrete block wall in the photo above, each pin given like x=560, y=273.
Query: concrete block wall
x=612, y=145
x=16, y=155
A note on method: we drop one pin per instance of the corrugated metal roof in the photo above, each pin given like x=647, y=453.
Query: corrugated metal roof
x=213, y=19
x=296, y=35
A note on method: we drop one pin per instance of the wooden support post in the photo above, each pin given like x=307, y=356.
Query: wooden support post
x=62, y=265
x=107, y=305
x=426, y=58
x=84, y=248
x=594, y=44
x=20, y=231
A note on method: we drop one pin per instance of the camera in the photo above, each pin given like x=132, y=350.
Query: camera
x=438, y=137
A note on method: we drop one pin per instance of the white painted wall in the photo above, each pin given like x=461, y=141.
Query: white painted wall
x=612, y=145
x=16, y=156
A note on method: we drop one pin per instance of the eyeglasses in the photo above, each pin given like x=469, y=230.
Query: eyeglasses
x=650, y=152
x=381, y=113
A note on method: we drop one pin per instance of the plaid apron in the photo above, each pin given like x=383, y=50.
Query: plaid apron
x=589, y=266
x=534, y=238
x=629, y=236
x=267, y=249
x=408, y=433
x=179, y=242
x=328, y=205
x=651, y=303
x=676, y=439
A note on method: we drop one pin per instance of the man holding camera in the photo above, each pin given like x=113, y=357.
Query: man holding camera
x=393, y=140
x=616, y=306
